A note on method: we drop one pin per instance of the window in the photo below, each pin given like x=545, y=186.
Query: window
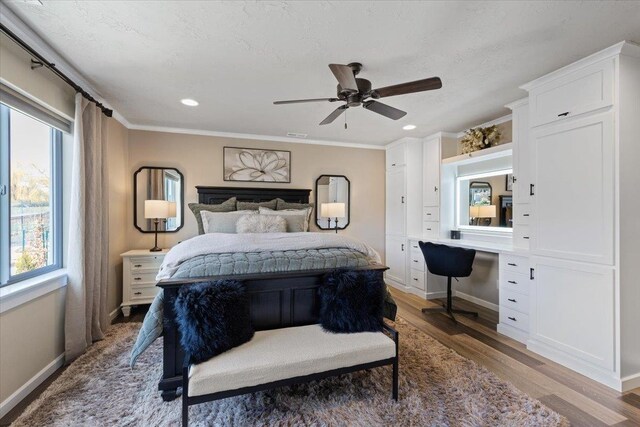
x=30, y=196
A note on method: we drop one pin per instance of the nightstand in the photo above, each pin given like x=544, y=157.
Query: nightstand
x=139, y=270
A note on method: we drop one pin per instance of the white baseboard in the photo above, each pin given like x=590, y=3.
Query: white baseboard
x=16, y=397
x=114, y=314
x=480, y=302
x=630, y=382
x=513, y=333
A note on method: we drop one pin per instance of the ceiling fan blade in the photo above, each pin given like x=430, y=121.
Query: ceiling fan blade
x=334, y=115
x=345, y=77
x=297, y=101
x=384, y=109
x=409, y=87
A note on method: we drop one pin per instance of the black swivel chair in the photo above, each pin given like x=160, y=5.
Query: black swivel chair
x=451, y=262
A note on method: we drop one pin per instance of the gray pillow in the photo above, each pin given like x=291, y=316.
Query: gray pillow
x=196, y=208
x=296, y=220
x=287, y=205
x=222, y=222
x=252, y=206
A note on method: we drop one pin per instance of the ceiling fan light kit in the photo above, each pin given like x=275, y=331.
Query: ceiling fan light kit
x=355, y=91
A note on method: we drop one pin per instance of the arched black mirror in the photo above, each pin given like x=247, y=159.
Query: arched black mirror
x=332, y=202
x=158, y=191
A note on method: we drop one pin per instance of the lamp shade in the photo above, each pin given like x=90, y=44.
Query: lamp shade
x=487, y=211
x=156, y=209
x=474, y=211
x=172, y=210
x=332, y=210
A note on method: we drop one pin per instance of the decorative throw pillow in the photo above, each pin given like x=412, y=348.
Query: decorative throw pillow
x=352, y=301
x=261, y=224
x=213, y=317
x=296, y=220
x=222, y=222
x=196, y=208
x=252, y=206
x=285, y=206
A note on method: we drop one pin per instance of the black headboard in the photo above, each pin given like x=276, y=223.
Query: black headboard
x=215, y=195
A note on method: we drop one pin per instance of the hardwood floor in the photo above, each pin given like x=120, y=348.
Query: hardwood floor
x=583, y=401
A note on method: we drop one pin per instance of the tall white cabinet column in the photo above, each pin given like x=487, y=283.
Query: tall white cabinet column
x=584, y=151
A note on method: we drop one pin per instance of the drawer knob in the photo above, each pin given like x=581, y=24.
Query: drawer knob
x=512, y=264
x=512, y=281
x=138, y=265
x=512, y=318
x=137, y=293
x=511, y=299
x=565, y=114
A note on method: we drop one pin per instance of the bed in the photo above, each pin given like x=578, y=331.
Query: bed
x=279, y=298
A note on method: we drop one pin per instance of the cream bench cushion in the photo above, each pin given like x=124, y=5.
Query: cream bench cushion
x=287, y=353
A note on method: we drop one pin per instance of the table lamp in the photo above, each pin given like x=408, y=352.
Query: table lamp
x=157, y=210
x=332, y=210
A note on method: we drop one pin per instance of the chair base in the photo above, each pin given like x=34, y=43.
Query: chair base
x=449, y=312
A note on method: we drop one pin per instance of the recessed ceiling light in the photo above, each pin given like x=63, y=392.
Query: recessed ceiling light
x=189, y=102
x=409, y=127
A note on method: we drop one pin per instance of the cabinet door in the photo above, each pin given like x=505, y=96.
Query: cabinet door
x=521, y=155
x=431, y=172
x=573, y=187
x=396, y=156
x=396, y=202
x=396, y=259
x=572, y=309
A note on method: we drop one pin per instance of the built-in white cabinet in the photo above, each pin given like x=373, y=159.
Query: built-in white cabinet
x=396, y=156
x=396, y=259
x=396, y=201
x=431, y=171
x=514, y=296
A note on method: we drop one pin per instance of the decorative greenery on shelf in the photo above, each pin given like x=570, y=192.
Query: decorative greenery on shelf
x=479, y=138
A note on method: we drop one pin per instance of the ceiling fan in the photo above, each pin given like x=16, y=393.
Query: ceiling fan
x=355, y=91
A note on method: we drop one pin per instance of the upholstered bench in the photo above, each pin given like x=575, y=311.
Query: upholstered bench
x=281, y=357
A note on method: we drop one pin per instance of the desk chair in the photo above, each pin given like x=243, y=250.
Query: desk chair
x=451, y=262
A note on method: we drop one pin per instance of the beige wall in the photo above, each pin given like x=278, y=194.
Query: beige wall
x=199, y=158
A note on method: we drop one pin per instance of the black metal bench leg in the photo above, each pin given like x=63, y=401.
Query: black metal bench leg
x=395, y=380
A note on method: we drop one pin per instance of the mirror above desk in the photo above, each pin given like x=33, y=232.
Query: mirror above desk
x=485, y=200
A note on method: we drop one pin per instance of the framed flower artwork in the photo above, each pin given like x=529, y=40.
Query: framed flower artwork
x=256, y=165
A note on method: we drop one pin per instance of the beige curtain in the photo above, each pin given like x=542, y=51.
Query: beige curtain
x=86, y=316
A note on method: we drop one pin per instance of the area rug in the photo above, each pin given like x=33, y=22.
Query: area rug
x=438, y=387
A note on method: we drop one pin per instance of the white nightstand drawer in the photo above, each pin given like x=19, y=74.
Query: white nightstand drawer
x=514, y=263
x=514, y=281
x=431, y=213
x=514, y=300
x=143, y=292
x=139, y=278
x=150, y=262
x=514, y=318
x=416, y=260
x=417, y=279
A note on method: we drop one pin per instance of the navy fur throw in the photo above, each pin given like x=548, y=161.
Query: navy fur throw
x=212, y=318
x=352, y=301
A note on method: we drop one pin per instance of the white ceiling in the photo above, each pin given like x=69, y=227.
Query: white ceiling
x=235, y=58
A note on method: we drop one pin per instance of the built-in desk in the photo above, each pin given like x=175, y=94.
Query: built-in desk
x=512, y=277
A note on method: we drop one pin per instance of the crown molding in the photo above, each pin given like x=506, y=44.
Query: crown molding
x=518, y=103
x=234, y=135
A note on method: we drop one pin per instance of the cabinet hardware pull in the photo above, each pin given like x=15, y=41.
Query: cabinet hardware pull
x=402, y=199
x=435, y=188
x=525, y=237
x=137, y=278
x=512, y=264
x=563, y=114
x=531, y=274
x=512, y=281
x=514, y=179
x=428, y=213
x=393, y=164
x=415, y=260
x=531, y=187
x=512, y=318
x=415, y=279
x=428, y=229
x=525, y=214
x=137, y=293
x=402, y=247
x=138, y=265
x=511, y=299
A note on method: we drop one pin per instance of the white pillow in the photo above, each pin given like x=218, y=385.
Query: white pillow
x=222, y=222
x=261, y=224
x=287, y=213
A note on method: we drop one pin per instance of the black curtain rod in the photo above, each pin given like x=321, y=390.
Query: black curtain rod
x=41, y=61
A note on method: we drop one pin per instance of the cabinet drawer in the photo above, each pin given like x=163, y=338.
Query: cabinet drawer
x=521, y=214
x=417, y=279
x=514, y=281
x=514, y=301
x=514, y=263
x=521, y=236
x=430, y=229
x=416, y=260
x=578, y=92
x=144, y=292
x=414, y=245
x=150, y=262
x=514, y=318
x=138, y=278
x=431, y=213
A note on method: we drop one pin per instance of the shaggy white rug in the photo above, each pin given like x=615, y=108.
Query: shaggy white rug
x=438, y=387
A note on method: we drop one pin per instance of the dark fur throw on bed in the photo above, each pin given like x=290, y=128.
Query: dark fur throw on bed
x=213, y=317
x=352, y=301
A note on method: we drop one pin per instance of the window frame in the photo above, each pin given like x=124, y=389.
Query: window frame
x=55, y=143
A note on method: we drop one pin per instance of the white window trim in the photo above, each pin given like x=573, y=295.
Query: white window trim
x=14, y=295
